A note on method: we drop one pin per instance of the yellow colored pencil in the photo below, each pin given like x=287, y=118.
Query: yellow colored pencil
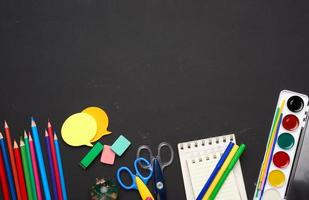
x=221, y=171
x=264, y=164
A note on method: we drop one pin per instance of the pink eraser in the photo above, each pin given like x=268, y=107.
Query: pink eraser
x=107, y=156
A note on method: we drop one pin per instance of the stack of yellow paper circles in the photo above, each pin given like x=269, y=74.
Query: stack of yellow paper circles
x=85, y=127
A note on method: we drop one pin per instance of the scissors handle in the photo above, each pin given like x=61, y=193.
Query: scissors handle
x=119, y=179
x=149, y=152
x=133, y=185
x=167, y=163
x=142, y=161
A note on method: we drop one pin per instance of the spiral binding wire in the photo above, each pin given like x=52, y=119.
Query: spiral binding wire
x=209, y=142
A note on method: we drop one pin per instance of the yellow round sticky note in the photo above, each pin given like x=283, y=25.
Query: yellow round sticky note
x=101, y=119
x=276, y=178
x=79, y=129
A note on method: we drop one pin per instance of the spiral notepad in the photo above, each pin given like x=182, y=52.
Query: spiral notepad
x=198, y=158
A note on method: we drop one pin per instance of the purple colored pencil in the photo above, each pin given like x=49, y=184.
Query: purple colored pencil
x=50, y=162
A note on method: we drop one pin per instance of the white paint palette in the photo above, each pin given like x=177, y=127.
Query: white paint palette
x=282, y=146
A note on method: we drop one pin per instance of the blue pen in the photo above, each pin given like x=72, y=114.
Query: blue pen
x=215, y=171
x=8, y=168
x=39, y=155
x=64, y=190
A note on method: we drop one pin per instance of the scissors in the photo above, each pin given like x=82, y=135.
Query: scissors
x=139, y=181
x=157, y=166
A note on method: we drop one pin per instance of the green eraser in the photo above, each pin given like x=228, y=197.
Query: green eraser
x=120, y=145
x=91, y=155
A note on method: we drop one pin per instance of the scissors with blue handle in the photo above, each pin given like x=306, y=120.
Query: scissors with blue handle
x=139, y=181
x=157, y=166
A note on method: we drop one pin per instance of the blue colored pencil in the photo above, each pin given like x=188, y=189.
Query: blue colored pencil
x=50, y=162
x=39, y=154
x=8, y=168
x=59, y=161
x=271, y=156
x=215, y=171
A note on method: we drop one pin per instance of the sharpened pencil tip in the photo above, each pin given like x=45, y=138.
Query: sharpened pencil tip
x=5, y=124
x=21, y=143
x=30, y=138
x=55, y=136
x=49, y=124
x=15, y=145
x=46, y=133
x=1, y=136
x=33, y=124
x=25, y=134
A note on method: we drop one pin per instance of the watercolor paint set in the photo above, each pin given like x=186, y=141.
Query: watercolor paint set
x=283, y=146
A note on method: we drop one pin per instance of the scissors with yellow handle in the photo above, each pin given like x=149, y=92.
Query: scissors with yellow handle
x=139, y=181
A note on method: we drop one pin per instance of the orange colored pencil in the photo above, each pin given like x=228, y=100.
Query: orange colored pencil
x=12, y=159
x=54, y=160
x=20, y=172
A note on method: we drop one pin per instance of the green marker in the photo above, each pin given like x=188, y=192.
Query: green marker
x=227, y=171
x=91, y=155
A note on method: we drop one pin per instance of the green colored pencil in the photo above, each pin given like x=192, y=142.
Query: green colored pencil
x=227, y=171
x=26, y=168
x=32, y=181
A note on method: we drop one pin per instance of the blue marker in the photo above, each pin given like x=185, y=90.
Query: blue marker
x=215, y=171
x=39, y=155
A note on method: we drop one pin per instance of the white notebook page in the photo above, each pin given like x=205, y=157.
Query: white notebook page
x=200, y=170
x=198, y=148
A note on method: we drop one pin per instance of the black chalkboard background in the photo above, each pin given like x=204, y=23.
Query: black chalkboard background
x=164, y=70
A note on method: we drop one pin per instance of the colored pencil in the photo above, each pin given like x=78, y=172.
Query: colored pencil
x=26, y=168
x=221, y=172
x=30, y=164
x=35, y=169
x=20, y=172
x=54, y=159
x=39, y=155
x=269, y=148
x=215, y=171
x=11, y=154
x=3, y=180
x=270, y=158
x=8, y=168
x=50, y=162
x=57, y=148
x=230, y=167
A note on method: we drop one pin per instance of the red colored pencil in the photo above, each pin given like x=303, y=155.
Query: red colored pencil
x=20, y=172
x=3, y=180
x=54, y=159
x=12, y=159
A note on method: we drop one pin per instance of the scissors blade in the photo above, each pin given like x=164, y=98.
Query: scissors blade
x=143, y=189
x=160, y=190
